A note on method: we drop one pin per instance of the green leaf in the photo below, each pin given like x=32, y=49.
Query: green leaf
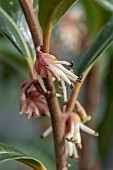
x=106, y=126
x=11, y=57
x=108, y=4
x=94, y=22
x=14, y=27
x=9, y=153
x=51, y=11
x=99, y=44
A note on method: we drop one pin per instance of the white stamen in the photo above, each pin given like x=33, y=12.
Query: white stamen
x=78, y=138
x=47, y=132
x=72, y=130
x=69, y=147
x=59, y=73
x=58, y=95
x=71, y=78
x=64, y=77
x=76, y=130
x=75, y=152
x=61, y=62
x=41, y=83
x=67, y=72
x=64, y=90
x=55, y=72
x=88, y=130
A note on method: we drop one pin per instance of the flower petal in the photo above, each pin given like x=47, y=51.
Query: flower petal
x=64, y=90
x=71, y=78
x=28, y=113
x=69, y=149
x=54, y=71
x=64, y=77
x=41, y=82
x=47, y=132
x=76, y=131
x=72, y=130
x=67, y=72
x=75, y=153
x=58, y=95
x=78, y=138
x=61, y=62
x=36, y=112
x=88, y=130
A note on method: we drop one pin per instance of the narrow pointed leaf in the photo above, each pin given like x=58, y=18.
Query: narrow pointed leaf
x=108, y=4
x=9, y=153
x=106, y=125
x=94, y=22
x=51, y=11
x=99, y=44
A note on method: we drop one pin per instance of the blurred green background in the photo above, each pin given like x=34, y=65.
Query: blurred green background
x=71, y=36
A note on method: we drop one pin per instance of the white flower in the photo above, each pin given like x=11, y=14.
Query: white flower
x=46, y=61
x=73, y=137
x=71, y=149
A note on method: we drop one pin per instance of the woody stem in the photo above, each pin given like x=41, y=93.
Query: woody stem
x=58, y=124
x=55, y=111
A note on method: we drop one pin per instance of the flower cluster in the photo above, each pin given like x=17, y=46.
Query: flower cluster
x=32, y=102
x=73, y=127
x=49, y=62
x=73, y=137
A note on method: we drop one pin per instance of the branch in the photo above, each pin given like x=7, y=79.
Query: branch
x=73, y=98
x=75, y=93
x=27, y=7
x=55, y=111
x=46, y=39
x=58, y=123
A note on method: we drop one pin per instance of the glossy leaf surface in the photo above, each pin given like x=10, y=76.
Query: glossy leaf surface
x=11, y=57
x=14, y=27
x=94, y=22
x=108, y=4
x=102, y=40
x=106, y=126
x=51, y=11
x=9, y=153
